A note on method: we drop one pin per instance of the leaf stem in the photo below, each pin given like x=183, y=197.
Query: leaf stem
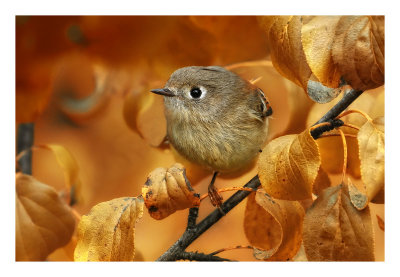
x=231, y=248
x=344, y=153
x=355, y=111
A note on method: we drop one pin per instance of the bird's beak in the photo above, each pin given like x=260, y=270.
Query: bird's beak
x=163, y=91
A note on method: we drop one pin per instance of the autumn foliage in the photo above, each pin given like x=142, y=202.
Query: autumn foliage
x=107, y=186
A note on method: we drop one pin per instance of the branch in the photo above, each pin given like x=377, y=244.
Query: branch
x=25, y=142
x=193, y=231
x=194, y=256
x=347, y=99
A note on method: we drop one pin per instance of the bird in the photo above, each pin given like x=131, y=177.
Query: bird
x=215, y=119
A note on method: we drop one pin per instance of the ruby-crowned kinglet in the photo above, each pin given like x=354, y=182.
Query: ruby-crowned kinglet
x=215, y=118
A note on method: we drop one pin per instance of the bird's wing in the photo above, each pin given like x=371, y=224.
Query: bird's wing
x=264, y=108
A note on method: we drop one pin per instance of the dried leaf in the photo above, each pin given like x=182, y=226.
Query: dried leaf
x=316, y=52
x=317, y=38
x=273, y=226
x=358, y=50
x=358, y=198
x=144, y=114
x=331, y=151
x=336, y=231
x=107, y=233
x=168, y=190
x=70, y=167
x=321, y=182
x=320, y=93
x=288, y=166
x=284, y=37
x=371, y=140
x=43, y=222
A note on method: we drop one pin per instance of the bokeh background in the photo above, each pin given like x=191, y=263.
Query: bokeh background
x=84, y=81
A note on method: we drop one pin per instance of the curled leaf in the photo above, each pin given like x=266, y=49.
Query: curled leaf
x=43, y=222
x=168, y=190
x=107, y=232
x=336, y=231
x=317, y=37
x=284, y=37
x=288, y=166
x=70, y=167
x=273, y=227
x=321, y=182
x=371, y=140
x=144, y=114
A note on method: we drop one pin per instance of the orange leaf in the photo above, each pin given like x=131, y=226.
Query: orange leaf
x=317, y=38
x=358, y=50
x=321, y=182
x=371, y=139
x=336, y=231
x=273, y=226
x=70, y=167
x=43, y=222
x=168, y=190
x=107, y=233
x=284, y=37
x=288, y=166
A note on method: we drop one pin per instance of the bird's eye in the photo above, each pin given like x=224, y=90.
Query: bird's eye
x=195, y=93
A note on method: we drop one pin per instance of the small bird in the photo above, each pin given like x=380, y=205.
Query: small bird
x=215, y=119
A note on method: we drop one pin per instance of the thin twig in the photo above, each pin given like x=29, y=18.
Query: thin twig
x=231, y=248
x=340, y=106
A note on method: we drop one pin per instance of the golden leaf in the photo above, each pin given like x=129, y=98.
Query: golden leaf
x=358, y=50
x=70, y=167
x=168, y=190
x=315, y=52
x=288, y=166
x=107, y=232
x=43, y=222
x=371, y=140
x=321, y=182
x=334, y=230
x=273, y=227
x=317, y=38
x=331, y=151
x=284, y=37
